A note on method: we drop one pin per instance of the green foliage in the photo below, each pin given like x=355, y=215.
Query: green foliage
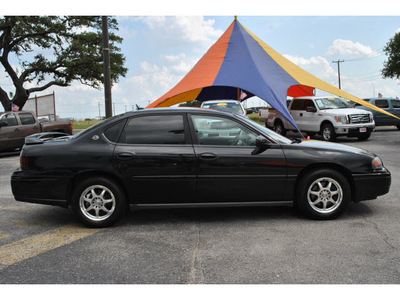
x=392, y=65
x=55, y=50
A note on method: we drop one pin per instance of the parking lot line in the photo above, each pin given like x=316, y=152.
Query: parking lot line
x=32, y=246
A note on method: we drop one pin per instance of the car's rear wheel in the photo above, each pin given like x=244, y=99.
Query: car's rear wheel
x=323, y=194
x=98, y=202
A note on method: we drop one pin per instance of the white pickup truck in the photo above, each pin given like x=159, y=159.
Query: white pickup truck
x=329, y=117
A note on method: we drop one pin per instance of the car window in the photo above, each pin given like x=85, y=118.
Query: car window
x=27, y=119
x=160, y=129
x=226, y=106
x=298, y=105
x=112, y=132
x=10, y=119
x=309, y=103
x=382, y=103
x=212, y=130
x=396, y=103
x=331, y=103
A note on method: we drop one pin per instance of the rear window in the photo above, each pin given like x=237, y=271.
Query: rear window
x=160, y=129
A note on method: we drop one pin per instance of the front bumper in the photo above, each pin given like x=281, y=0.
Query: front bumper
x=370, y=186
x=354, y=130
x=51, y=190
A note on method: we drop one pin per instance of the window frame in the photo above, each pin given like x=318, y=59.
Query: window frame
x=187, y=135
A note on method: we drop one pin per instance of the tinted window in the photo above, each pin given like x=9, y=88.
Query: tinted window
x=10, y=119
x=161, y=129
x=220, y=131
x=112, y=133
x=298, y=105
x=396, y=103
x=382, y=103
x=27, y=119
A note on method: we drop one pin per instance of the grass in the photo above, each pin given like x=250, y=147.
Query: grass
x=84, y=124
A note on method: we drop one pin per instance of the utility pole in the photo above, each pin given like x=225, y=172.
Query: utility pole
x=107, y=68
x=338, y=69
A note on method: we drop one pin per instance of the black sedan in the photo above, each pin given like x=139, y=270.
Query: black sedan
x=192, y=158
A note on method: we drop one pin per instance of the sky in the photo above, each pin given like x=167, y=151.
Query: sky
x=161, y=44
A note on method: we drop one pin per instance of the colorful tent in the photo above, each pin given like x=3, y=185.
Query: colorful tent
x=239, y=66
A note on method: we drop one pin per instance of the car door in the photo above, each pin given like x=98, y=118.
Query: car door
x=228, y=169
x=155, y=156
x=28, y=124
x=10, y=135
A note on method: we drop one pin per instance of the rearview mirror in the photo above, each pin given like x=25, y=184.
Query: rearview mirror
x=3, y=123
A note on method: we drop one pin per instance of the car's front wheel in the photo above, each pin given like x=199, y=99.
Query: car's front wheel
x=98, y=202
x=328, y=133
x=323, y=194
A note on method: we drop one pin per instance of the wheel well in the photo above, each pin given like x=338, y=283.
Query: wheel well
x=342, y=170
x=323, y=123
x=82, y=176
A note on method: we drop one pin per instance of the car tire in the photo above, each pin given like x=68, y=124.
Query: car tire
x=279, y=128
x=364, y=136
x=323, y=194
x=328, y=133
x=98, y=202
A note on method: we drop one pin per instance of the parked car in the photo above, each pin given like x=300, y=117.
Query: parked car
x=390, y=105
x=232, y=106
x=329, y=117
x=157, y=158
x=15, y=126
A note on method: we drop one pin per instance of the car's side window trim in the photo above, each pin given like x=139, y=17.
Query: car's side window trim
x=187, y=137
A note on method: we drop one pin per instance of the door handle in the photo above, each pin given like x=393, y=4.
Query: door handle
x=208, y=156
x=17, y=129
x=126, y=155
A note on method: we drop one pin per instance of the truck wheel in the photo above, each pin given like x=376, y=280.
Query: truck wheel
x=323, y=194
x=279, y=129
x=328, y=133
x=364, y=136
x=98, y=202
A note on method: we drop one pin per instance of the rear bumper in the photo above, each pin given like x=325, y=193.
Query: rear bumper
x=51, y=190
x=370, y=186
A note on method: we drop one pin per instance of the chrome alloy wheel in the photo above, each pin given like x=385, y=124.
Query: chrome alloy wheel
x=325, y=195
x=97, y=203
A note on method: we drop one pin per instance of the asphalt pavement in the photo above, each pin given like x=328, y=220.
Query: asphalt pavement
x=272, y=245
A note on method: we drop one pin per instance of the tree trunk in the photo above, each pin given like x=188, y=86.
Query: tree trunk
x=5, y=101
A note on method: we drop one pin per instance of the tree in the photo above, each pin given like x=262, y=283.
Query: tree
x=392, y=65
x=38, y=52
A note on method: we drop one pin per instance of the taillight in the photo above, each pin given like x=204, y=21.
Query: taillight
x=23, y=160
x=70, y=127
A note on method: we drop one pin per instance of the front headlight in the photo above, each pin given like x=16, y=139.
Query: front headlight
x=377, y=163
x=342, y=119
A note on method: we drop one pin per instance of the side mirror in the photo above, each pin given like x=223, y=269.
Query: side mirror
x=262, y=144
x=311, y=109
x=3, y=123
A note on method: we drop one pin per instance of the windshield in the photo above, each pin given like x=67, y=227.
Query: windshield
x=226, y=106
x=331, y=103
x=277, y=137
